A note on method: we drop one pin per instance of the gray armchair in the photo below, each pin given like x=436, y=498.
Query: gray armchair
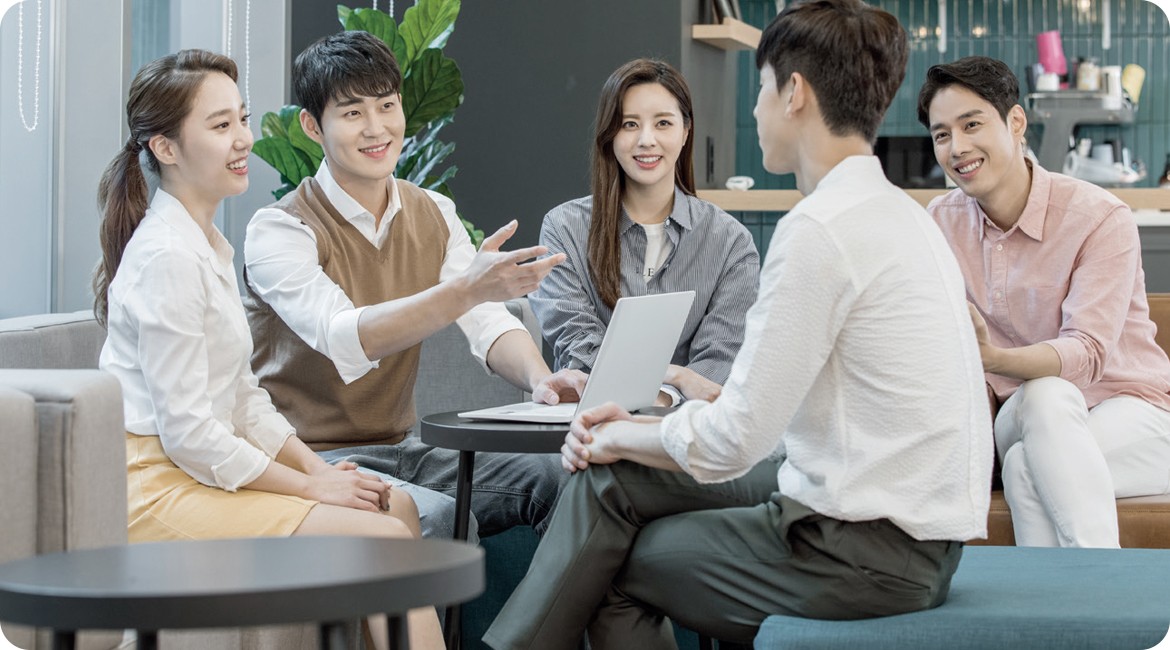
x=63, y=473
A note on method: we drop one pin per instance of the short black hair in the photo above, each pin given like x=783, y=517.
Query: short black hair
x=989, y=78
x=853, y=55
x=344, y=65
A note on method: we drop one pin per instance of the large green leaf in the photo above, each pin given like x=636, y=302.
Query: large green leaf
x=275, y=125
x=433, y=90
x=283, y=157
x=285, y=189
x=417, y=147
x=428, y=24
x=381, y=25
x=302, y=142
x=436, y=153
x=432, y=182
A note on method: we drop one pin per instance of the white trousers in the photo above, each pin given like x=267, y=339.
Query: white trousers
x=1064, y=464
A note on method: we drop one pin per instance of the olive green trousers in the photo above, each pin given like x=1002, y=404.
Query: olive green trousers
x=631, y=547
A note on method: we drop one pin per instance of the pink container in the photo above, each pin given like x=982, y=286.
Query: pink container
x=1051, y=52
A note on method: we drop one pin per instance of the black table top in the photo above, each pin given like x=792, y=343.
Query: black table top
x=449, y=431
x=239, y=582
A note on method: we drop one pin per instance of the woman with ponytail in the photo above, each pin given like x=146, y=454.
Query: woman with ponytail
x=643, y=231
x=207, y=454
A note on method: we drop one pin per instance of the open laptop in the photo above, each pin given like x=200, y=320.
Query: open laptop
x=631, y=363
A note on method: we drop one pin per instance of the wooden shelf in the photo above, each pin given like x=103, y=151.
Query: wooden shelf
x=1148, y=198
x=731, y=34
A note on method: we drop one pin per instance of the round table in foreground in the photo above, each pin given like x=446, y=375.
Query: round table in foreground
x=238, y=582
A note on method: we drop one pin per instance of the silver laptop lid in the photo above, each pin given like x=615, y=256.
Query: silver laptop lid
x=636, y=350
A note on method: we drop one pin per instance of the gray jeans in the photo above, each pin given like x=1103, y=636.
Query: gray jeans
x=631, y=546
x=507, y=489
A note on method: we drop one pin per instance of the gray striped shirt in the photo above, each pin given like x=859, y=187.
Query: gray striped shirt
x=713, y=255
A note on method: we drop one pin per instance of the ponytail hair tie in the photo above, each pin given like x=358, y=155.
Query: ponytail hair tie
x=132, y=145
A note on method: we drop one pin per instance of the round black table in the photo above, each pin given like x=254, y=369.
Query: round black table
x=239, y=582
x=449, y=431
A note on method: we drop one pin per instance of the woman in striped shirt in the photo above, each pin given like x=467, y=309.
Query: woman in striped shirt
x=643, y=231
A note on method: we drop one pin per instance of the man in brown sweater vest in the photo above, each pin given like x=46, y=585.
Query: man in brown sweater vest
x=349, y=273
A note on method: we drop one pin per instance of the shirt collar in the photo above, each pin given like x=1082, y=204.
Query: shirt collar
x=852, y=175
x=346, y=205
x=1032, y=219
x=173, y=213
x=680, y=213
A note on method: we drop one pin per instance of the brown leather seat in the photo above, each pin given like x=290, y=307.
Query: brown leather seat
x=1144, y=522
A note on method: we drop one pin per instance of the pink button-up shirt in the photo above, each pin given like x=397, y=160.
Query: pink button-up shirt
x=1068, y=274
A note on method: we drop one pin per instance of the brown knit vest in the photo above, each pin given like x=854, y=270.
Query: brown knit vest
x=378, y=408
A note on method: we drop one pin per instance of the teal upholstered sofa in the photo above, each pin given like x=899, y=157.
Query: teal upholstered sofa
x=1009, y=598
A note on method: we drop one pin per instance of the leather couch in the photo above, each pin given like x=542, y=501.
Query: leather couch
x=1144, y=522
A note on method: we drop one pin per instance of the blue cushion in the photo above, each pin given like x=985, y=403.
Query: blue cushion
x=1009, y=597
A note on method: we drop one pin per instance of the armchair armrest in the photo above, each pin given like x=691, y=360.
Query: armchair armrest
x=80, y=456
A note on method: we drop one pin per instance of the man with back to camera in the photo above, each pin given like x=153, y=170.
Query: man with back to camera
x=1054, y=276
x=859, y=359
x=346, y=276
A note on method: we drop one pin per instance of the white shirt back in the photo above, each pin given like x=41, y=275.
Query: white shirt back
x=860, y=360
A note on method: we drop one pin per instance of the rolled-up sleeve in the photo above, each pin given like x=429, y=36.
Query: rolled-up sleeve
x=720, y=334
x=255, y=415
x=281, y=257
x=562, y=303
x=1095, y=310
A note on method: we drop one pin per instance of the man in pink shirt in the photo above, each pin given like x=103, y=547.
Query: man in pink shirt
x=1057, y=295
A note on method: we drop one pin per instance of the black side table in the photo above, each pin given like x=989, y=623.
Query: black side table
x=449, y=431
x=239, y=582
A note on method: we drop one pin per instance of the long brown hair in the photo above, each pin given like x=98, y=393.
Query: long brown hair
x=160, y=98
x=608, y=179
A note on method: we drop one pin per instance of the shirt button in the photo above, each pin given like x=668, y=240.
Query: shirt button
x=998, y=295
x=999, y=247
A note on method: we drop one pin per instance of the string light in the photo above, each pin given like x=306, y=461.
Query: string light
x=36, y=71
x=247, y=45
x=248, y=53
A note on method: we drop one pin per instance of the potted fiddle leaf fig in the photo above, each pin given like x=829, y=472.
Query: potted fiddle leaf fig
x=432, y=88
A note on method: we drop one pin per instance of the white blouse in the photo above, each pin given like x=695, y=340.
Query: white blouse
x=179, y=344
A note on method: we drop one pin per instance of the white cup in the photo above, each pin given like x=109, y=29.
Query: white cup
x=1103, y=153
x=1048, y=82
x=741, y=183
x=1111, y=86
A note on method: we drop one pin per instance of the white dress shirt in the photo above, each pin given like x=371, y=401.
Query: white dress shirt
x=860, y=360
x=280, y=254
x=179, y=344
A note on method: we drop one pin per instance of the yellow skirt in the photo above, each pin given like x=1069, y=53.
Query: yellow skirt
x=167, y=504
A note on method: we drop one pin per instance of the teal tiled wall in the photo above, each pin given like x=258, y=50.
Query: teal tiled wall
x=1004, y=29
